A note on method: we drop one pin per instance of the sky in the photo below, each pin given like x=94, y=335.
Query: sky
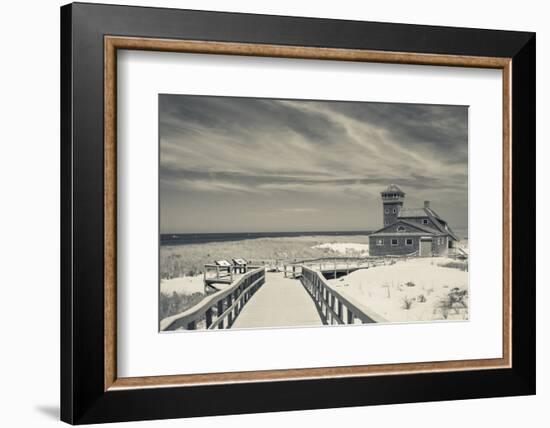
x=232, y=164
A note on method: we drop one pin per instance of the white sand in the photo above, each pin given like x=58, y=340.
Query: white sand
x=382, y=289
x=187, y=285
x=346, y=248
x=184, y=285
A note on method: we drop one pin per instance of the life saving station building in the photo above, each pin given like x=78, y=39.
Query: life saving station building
x=413, y=231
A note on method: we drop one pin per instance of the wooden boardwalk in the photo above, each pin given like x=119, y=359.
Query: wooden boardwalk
x=280, y=302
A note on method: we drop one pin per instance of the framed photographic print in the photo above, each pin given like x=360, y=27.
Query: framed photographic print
x=292, y=213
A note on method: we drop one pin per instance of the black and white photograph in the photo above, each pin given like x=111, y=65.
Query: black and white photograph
x=297, y=213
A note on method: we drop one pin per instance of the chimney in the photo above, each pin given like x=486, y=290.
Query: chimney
x=426, y=204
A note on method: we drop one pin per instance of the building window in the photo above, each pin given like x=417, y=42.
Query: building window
x=400, y=229
x=380, y=241
x=408, y=241
x=425, y=221
x=386, y=222
x=394, y=210
x=387, y=210
x=440, y=241
x=395, y=241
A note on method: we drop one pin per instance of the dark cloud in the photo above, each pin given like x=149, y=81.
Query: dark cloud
x=318, y=151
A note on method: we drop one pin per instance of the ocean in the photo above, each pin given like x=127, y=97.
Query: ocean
x=203, y=238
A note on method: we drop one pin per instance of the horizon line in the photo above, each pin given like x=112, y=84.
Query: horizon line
x=283, y=231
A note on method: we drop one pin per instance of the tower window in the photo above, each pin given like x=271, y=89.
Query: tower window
x=395, y=241
x=387, y=210
x=425, y=221
x=408, y=241
x=394, y=210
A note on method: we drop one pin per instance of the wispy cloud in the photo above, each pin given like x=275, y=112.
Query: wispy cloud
x=325, y=151
x=299, y=210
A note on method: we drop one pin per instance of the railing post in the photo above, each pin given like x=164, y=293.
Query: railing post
x=314, y=286
x=230, y=315
x=208, y=316
x=220, y=312
x=350, y=316
x=324, y=299
x=235, y=299
x=316, y=282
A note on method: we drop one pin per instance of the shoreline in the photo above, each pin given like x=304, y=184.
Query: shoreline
x=178, y=239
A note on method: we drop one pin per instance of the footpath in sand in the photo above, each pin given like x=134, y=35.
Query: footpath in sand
x=280, y=302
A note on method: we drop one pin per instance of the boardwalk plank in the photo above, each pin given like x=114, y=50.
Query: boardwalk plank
x=280, y=302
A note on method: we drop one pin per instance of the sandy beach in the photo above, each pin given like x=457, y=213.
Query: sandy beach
x=411, y=290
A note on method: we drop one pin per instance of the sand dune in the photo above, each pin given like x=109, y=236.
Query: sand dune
x=383, y=289
x=346, y=248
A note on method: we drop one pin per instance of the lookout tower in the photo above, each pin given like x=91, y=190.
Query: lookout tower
x=392, y=202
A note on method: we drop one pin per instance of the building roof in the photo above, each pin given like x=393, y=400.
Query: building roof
x=422, y=229
x=439, y=223
x=433, y=213
x=397, y=234
x=447, y=229
x=393, y=188
x=440, y=226
x=412, y=213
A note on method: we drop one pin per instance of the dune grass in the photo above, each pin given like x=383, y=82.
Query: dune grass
x=456, y=264
x=188, y=260
x=175, y=303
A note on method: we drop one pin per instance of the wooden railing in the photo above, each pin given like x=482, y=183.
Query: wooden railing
x=220, y=272
x=214, y=271
x=220, y=309
x=334, y=265
x=286, y=265
x=332, y=305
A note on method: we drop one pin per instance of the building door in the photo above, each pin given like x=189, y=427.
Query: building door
x=425, y=247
